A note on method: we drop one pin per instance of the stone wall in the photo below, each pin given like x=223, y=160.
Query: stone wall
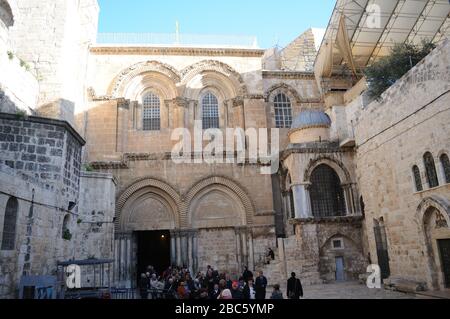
x=40, y=163
x=392, y=136
x=42, y=151
x=61, y=34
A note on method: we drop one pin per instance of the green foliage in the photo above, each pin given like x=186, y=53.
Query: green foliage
x=79, y=221
x=10, y=55
x=67, y=235
x=386, y=71
x=88, y=168
x=21, y=114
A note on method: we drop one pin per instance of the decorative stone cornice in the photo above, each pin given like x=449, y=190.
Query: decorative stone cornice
x=349, y=220
x=289, y=75
x=143, y=50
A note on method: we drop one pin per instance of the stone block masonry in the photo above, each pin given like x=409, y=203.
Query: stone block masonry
x=42, y=151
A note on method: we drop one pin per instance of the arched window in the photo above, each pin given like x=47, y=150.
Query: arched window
x=417, y=178
x=283, y=111
x=10, y=224
x=6, y=15
x=446, y=167
x=430, y=168
x=151, y=112
x=327, y=195
x=210, y=111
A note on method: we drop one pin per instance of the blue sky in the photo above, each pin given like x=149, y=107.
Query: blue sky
x=271, y=21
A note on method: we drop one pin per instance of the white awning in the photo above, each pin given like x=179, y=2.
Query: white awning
x=372, y=35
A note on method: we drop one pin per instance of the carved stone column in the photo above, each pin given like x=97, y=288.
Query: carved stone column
x=302, y=201
x=124, y=268
x=349, y=201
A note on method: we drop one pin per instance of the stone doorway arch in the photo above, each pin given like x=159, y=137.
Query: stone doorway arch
x=146, y=206
x=434, y=216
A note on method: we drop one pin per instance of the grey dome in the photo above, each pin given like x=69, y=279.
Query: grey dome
x=311, y=118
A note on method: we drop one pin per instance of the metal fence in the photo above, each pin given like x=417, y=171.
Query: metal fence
x=174, y=39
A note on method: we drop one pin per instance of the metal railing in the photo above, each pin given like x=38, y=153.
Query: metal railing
x=179, y=40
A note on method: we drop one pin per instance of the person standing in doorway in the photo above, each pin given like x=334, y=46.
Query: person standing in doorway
x=294, y=287
x=260, y=286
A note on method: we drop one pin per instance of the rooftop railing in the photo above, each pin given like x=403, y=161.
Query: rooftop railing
x=179, y=40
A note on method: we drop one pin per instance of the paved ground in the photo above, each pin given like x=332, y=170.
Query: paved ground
x=350, y=290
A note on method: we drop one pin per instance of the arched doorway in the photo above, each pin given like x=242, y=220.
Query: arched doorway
x=147, y=213
x=435, y=219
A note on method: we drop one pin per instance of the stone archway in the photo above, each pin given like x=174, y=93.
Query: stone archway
x=434, y=216
x=220, y=210
x=146, y=206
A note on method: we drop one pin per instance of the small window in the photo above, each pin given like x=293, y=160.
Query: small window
x=446, y=167
x=151, y=113
x=10, y=224
x=210, y=112
x=430, y=167
x=337, y=243
x=417, y=178
x=283, y=111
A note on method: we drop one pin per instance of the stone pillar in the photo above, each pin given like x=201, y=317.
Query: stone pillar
x=244, y=242
x=302, y=201
x=348, y=195
x=184, y=248
x=124, y=268
x=178, y=240
x=251, y=252
x=173, y=248
x=239, y=257
x=195, y=265
x=181, y=106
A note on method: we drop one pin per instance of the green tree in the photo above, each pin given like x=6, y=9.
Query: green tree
x=383, y=73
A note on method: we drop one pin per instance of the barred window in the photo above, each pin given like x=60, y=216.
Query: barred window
x=9, y=225
x=430, y=168
x=151, y=113
x=417, y=178
x=283, y=111
x=210, y=111
x=327, y=195
x=446, y=167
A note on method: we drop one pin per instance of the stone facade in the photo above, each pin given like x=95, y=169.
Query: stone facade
x=392, y=136
x=344, y=195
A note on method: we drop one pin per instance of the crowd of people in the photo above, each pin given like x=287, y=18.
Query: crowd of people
x=178, y=283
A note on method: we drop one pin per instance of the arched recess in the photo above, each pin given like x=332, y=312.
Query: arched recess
x=283, y=88
x=433, y=215
x=136, y=199
x=215, y=74
x=349, y=250
x=6, y=14
x=225, y=187
x=131, y=82
x=337, y=166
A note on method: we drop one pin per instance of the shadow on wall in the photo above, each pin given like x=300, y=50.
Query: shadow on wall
x=6, y=105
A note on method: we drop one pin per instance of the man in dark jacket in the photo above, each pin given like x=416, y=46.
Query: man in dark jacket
x=247, y=275
x=260, y=286
x=294, y=287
